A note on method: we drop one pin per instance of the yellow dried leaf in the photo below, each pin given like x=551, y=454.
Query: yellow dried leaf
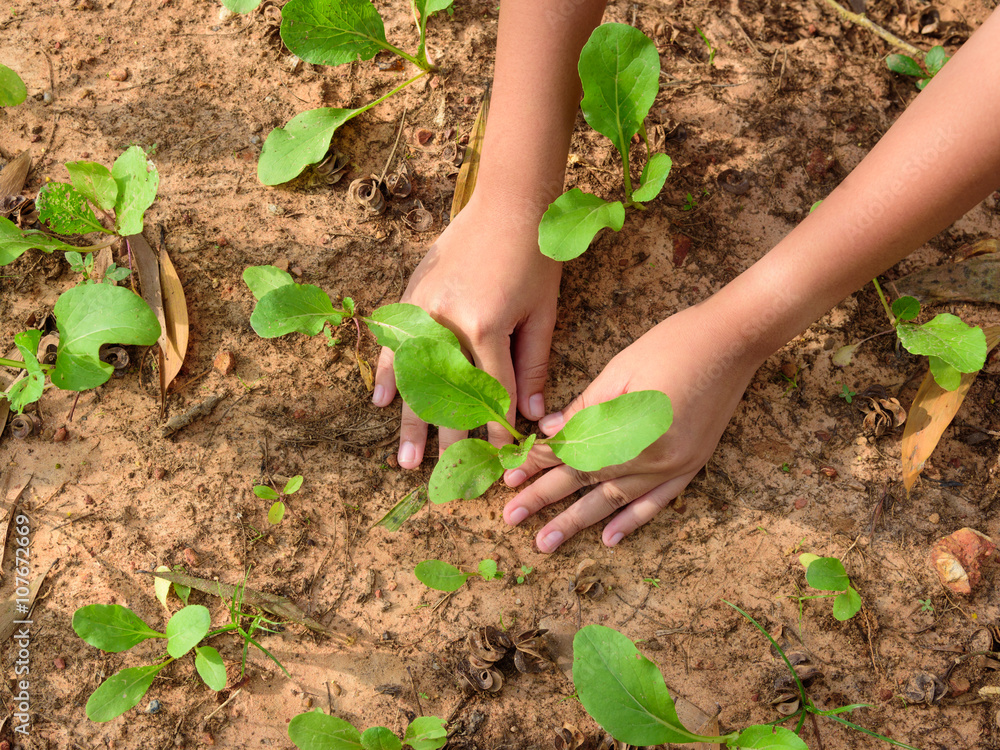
x=469, y=171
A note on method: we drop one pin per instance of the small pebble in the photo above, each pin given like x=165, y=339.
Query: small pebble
x=119, y=74
x=225, y=362
x=800, y=503
x=207, y=738
x=378, y=593
x=47, y=97
x=59, y=662
x=468, y=100
x=61, y=435
x=190, y=557
x=159, y=472
x=254, y=139
x=934, y=518
x=307, y=703
x=391, y=586
x=829, y=471
x=153, y=707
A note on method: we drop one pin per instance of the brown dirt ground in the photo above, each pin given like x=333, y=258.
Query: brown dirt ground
x=791, y=89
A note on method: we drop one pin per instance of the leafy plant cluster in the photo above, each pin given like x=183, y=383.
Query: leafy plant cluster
x=620, y=71
x=828, y=574
x=905, y=65
x=88, y=315
x=442, y=576
x=318, y=731
x=277, y=510
x=437, y=381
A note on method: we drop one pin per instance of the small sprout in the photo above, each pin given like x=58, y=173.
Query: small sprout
x=847, y=394
x=655, y=582
x=525, y=572
x=926, y=605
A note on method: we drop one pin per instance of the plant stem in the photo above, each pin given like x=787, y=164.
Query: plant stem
x=861, y=20
x=422, y=64
x=885, y=304
x=12, y=363
x=396, y=90
x=510, y=428
x=627, y=176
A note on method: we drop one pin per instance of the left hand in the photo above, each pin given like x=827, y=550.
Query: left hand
x=688, y=358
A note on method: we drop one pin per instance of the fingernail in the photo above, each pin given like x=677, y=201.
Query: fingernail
x=550, y=542
x=407, y=454
x=378, y=394
x=536, y=405
x=615, y=539
x=517, y=516
x=514, y=478
x=551, y=424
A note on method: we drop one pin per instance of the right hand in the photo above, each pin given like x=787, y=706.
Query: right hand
x=486, y=280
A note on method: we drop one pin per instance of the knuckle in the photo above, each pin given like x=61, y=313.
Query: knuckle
x=614, y=496
x=583, y=478
x=537, y=371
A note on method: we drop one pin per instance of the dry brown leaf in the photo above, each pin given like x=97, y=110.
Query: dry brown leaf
x=102, y=261
x=932, y=411
x=173, y=346
x=467, y=175
x=5, y=537
x=8, y=608
x=13, y=175
x=983, y=247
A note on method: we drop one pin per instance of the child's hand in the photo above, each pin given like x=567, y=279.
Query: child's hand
x=689, y=358
x=486, y=280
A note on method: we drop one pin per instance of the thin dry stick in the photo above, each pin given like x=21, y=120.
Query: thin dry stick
x=228, y=701
x=861, y=20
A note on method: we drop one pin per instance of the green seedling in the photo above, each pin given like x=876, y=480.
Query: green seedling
x=12, y=88
x=828, y=574
x=905, y=65
x=318, y=731
x=442, y=576
x=846, y=393
x=926, y=605
x=786, y=468
x=708, y=44
x=84, y=265
x=332, y=32
x=277, y=510
x=620, y=70
x=443, y=388
x=525, y=572
x=654, y=582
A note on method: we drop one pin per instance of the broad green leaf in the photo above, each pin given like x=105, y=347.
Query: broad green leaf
x=265, y=493
x=440, y=385
x=427, y=8
x=827, y=574
x=15, y=242
x=12, y=88
x=380, y=738
x=111, y=627
x=120, y=692
x=572, y=220
x=613, y=432
x=465, y=470
x=654, y=174
x=94, y=182
x=904, y=65
x=182, y=591
x=186, y=629
x=440, y=576
x=262, y=279
x=393, y=324
x=317, y=731
x=905, y=308
x=961, y=346
x=276, y=513
x=332, y=33
x=622, y=690
x=29, y=389
x=294, y=308
x=515, y=454
x=944, y=374
x=935, y=59
x=93, y=314
x=807, y=558
x=137, y=181
x=426, y=733
x=620, y=71
x=488, y=569
x=846, y=605
x=922, y=83
x=210, y=667
x=292, y=485
x=161, y=586
x=65, y=210
x=765, y=737
x=304, y=140
x=241, y=6
x=401, y=511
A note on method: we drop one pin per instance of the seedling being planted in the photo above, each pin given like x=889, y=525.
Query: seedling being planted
x=828, y=574
x=277, y=510
x=318, y=731
x=620, y=71
x=442, y=576
x=907, y=66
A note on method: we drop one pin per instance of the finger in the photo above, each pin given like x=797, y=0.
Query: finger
x=642, y=510
x=493, y=356
x=412, y=439
x=531, y=364
x=447, y=437
x=603, y=388
x=540, y=457
x=550, y=488
x=385, y=379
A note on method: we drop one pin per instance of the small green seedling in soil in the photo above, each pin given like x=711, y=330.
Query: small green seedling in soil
x=277, y=511
x=84, y=265
x=828, y=574
x=905, y=65
x=926, y=605
x=525, y=572
x=318, y=731
x=12, y=88
x=442, y=576
x=690, y=203
x=620, y=71
x=655, y=582
x=708, y=44
x=846, y=393
x=332, y=32
x=786, y=468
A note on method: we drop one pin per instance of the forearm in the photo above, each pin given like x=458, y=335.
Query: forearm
x=940, y=159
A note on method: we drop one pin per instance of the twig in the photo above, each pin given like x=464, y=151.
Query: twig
x=413, y=683
x=224, y=704
x=153, y=83
x=861, y=20
x=388, y=162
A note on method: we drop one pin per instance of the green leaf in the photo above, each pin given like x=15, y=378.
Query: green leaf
x=922, y=83
x=15, y=242
x=465, y=470
x=292, y=485
x=904, y=65
x=613, y=432
x=265, y=493
x=401, y=511
x=29, y=389
x=488, y=569
x=620, y=71
x=944, y=374
x=317, y=731
x=515, y=454
x=427, y=8
x=182, y=591
x=935, y=59
x=332, y=33
x=653, y=176
x=137, y=181
x=440, y=576
x=294, y=308
x=572, y=220
x=241, y=6
x=93, y=314
x=120, y=692
x=905, y=308
x=426, y=733
x=827, y=574
x=12, y=88
x=440, y=385
x=304, y=140
x=111, y=627
x=94, y=182
x=766, y=737
x=846, y=605
x=210, y=667
x=807, y=558
x=186, y=629
x=262, y=279
x=622, y=690
x=66, y=210
x=276, y=513
x=161, y=586
x=394, y=324
x=380, y=738
x=961, y=346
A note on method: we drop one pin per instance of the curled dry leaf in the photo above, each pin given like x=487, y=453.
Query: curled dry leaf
x=419, y=220
x=586, y=581
x=924, y=687
x=469, y=171
x=115, y=356
x=332, y=168
x=786, y=704
x=959, y=558
x=983, y=247
x=733, y=181
x=882, y=415
x=365, y=193
x=14, y=174
x=25, y=425
x=398, y=183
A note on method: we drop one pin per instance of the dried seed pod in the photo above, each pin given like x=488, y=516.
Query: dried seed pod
x=529, y=663
x=737, y=183
x=484, y=647
x=480, y=680
x=115, y=356
x=365, y=193
x=568, y=737
x=882, y=415
x=452, y=153
x=586, y=582
x=398, y=183
x=788, y=707
x=332, y=168
x=924, y=687
x=419, y=220
x=25, y=425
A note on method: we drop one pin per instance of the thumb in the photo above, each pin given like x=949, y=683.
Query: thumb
x=601, y=390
